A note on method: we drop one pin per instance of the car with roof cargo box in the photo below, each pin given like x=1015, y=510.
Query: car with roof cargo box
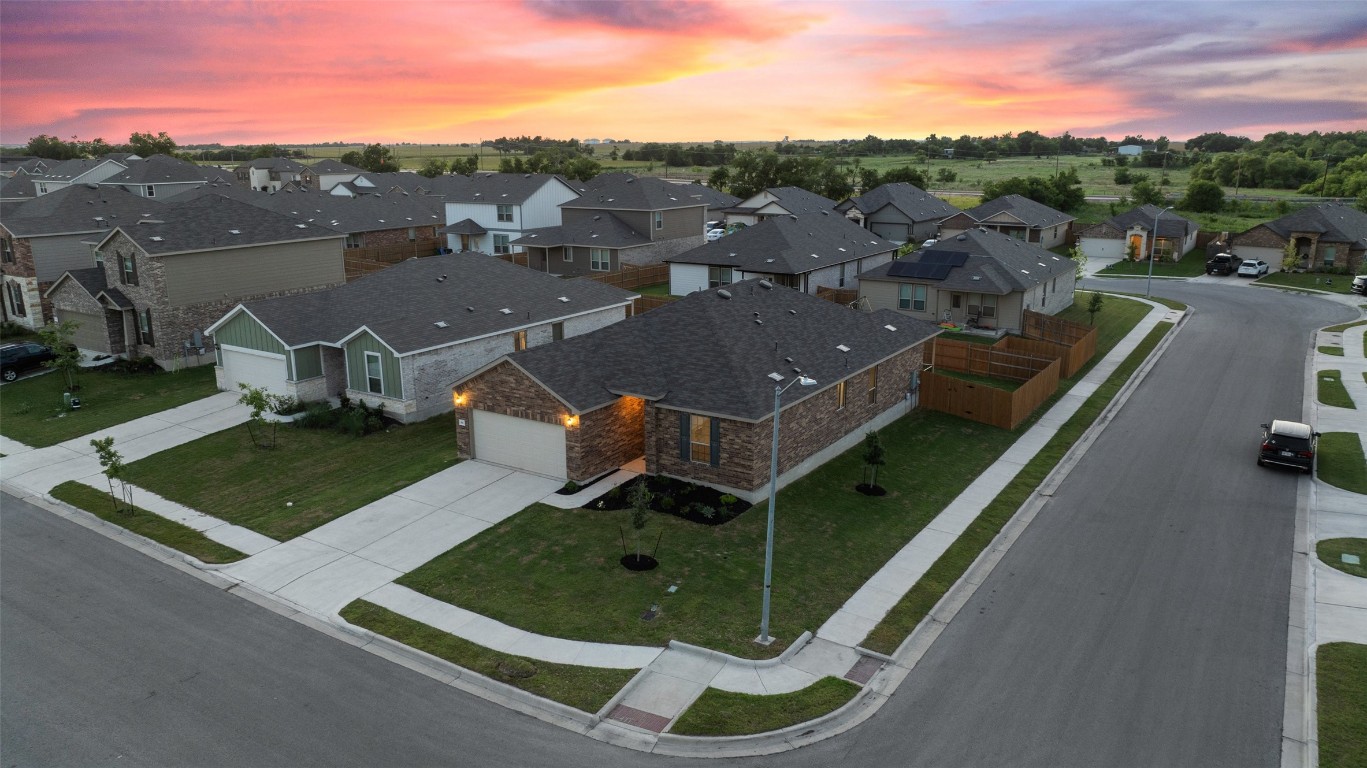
x=1288, y=444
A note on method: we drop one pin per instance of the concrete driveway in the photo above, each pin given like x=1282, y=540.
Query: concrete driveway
x=334, y=564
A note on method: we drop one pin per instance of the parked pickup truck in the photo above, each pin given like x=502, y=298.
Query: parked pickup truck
x=1223, y=263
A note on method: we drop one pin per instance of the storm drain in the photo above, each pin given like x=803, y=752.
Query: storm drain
x=863, y=670
x=639, y=718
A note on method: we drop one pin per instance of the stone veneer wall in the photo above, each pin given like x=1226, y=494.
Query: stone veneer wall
x=507, y=390
x=23, y=272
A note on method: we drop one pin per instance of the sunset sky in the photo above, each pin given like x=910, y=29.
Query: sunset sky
x=297, y=72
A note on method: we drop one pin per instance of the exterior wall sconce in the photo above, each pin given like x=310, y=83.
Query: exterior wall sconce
x=571, y=420
x=458, y=398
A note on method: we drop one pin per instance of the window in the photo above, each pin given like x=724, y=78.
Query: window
x=128, y=269
x=659, y=219
x=1043, y=292
x=354, y=241
x=718, y=276
x=99, y=257
x=1329, y=253
x=412, y=234
x=956, y=300
x=600, y=260
x=904, y=296
x=700, y=439
x=911, y=297
x=374, y=375
x=1055, y=286
x=842, y=275
x=151, y=190
x=568, y=255
x=519, y=341
x=989, y=306
x=145, y=327
x=6, y=251
x=505, y=213
x=15, y=294
x=873, y=385
x=557, y=331
x=840, y=395
x=501, y=244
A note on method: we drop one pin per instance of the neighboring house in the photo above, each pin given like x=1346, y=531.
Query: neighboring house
x=1327, y=237
x=488, y=211
x=778, y=201
x=81, y=171
x=268, y=174
x=42, y=238
x=690, y=387
x=157, y=283
x=1129, y=150
x=26, y=166
x=901, y=212
x=1131, y=231
x=1014, y=215
x=978, y=277
x=18, y=189
x=331, y=172
x=819, y=249
x=163, y=177
x=367, y=221
x=623, y=220
x=399, y=338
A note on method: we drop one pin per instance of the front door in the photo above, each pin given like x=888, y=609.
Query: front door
x=1137, y=246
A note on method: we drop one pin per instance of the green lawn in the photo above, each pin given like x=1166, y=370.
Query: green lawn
x=1192, y=265
x=144, y=523
x=1341, y=678
x=1331, y=552
x=1310, y=281
x=1335, y=351
x=1332, y=391
x=556, y=572
x=324, y=474
x=659, y=289
x=723, y=713
x=1340, y=461
x=584, y=688
x=1009, y=385
x=33, y=410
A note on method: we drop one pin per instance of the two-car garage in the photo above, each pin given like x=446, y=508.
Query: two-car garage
x=532, y=446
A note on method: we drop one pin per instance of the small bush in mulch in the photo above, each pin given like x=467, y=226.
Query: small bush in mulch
x=680, y=498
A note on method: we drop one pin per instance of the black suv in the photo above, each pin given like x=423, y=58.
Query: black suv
x=22, y=357
x=1289, y=444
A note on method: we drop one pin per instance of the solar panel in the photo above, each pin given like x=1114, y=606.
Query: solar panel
x=952, y=258
x=919, y=271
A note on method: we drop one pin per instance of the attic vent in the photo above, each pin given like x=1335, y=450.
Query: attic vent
x=766, y=261
x=787, y=359
x=842, y=348
x=791, y=216
x=961, y=238
x=890, y=327
x=301, y=226
x=469, y=309
x=842, y=250
x=977, y=277
x=815, y=256
x=1042, y=264
x=983, y=230
x=234, y=231
x=776, y=376
x=564, y=299
x=156, y=239
x=440, y=323
x=792, y=311
x=506, y=311
x=765, y=284
x=724, y=294
x=759, y=321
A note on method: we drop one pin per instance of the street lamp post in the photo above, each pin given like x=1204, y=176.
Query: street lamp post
x=1153, y=249
x=764, y=638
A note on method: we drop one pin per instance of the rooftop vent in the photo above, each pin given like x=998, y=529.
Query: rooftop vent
x=564, y=299
x=156, y=239
x=842, y=348
x=961, y=238
x=440, y=323
x=505, y=311
x=759, y=321
x=891, y=327
x=469, y=309
x=441, y=279
x=723, y=294
x=787, y=359
x=234, y=231
x=765, y=284
x=301, y=226
x=776, y=376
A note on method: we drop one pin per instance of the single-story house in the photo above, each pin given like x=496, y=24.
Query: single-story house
x=1329, y=237
x=691, y=386
x=818, y=249
x=398, y=338
x=1130, y=232
x=978, y=277
x=901, y=212
x=1014, y=215
x=773, y=202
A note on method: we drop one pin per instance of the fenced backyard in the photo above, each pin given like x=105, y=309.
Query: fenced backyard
x=359, y=262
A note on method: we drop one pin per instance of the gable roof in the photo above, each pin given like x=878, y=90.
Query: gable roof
x=498, y=188
x=214, y=222
x=790, y=245
x=77, y=209
x=602, y=231
x=350, y=215
x=274, y=164
x=627, y=193
x=401, y=305
x=789, y=199
x=94, y=282
x=70, y=170
x=1170, y=224
x=915, y=203
x=995, y=263
x=718, y=357
x=1029, y=212
x=1335, y=222
x=329, y=165
x=163, y=169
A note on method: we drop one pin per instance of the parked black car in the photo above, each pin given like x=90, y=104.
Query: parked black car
x=22, y=357
x=1222, y=264
x=1288, y=444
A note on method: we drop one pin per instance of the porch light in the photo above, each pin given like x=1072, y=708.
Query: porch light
x=571, y=420
x=458, y=398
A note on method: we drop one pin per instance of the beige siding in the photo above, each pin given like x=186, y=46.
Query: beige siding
x=54, y=255
x=880, y=295
x=198, y=277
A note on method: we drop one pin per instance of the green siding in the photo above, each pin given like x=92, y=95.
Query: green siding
x=355, y=365
x=308, y=362
x=243, y=331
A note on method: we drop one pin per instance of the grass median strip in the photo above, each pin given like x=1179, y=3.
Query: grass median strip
x=1341, y=678
x=1335, y=351
x=1339, y=461
x=1331, y=552
x=309, y=478
x=149, y=524
x=33, y=410
x=723, y=713
x=584, y=688
x=1331, y=389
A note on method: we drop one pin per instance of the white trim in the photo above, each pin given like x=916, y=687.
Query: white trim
x=379, y=363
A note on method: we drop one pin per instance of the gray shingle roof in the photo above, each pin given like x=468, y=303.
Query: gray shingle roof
x=708, y=354
x=997, y=264
x=1032, y=213
x=603, y=231
x=1170, y=224
x=214, y=221
x=67, y=170
x=463, y=227
x=76, y=209
x=914, y=202
x=329, y=165
x=626, y=193
x=163, y=169
x=496, y=188
x=350, y=215
x=1336, y=223
x=274, y=164
x=790, y=245
x=403, y=304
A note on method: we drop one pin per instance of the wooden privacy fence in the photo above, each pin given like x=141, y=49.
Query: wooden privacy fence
x=519, y=258
x=632, y=277
x=1078, y=342
x=362, y=261
x=647, y=303
x=995, y=361
x=845, y=296
x=986, y=404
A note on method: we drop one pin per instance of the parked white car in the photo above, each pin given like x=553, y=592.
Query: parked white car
x=1252, y=268
x=715, y=234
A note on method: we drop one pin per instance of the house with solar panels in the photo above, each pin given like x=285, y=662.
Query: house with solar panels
x=978, y=278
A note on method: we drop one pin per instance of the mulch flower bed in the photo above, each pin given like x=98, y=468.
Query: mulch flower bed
x=680, y=498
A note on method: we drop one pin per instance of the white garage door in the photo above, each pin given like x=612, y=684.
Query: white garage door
x=520, y=443
x=91, y=333
x=259, y=369
x=1273, y=256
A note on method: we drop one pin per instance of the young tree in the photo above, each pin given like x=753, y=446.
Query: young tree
x=1080, y=259
x=112, y=463
x=1094, y=306
x=874, y=456
x=260, y=401
x=640, y=507
x=58, y=336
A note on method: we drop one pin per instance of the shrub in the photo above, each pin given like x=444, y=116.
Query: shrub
x=317, y=415
x=666, y=503
x=570, y=487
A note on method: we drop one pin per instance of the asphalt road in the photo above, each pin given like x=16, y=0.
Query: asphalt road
x=1139, y=621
